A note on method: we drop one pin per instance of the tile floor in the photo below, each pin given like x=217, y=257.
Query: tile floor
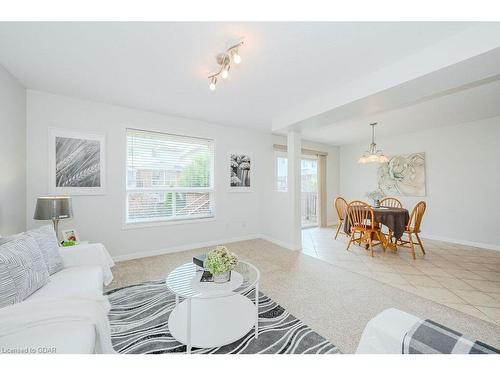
x=462, y=277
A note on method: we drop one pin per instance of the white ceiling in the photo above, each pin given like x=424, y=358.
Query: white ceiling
x=469, y=105
x=163, y=66
x=462, y=92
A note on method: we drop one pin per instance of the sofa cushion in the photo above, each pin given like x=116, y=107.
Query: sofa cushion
x=53, y=338
x=46, y=239
x=22, y=270
x=8, y=290
x=70, y=282
x=9, y=238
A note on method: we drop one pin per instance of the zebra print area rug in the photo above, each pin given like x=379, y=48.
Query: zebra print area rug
x=139, y=324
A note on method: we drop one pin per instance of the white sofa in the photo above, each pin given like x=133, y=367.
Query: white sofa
x=86, y=269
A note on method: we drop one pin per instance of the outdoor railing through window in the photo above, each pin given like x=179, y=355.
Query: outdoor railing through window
x=309, y=208
x=169, y=177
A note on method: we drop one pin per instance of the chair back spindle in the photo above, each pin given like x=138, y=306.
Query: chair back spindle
x=360, y=214
x=391, y=202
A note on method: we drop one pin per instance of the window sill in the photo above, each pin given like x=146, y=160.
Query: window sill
x=152, y=224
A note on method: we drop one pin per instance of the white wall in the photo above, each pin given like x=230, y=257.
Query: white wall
x=12, y=154
x=462, y=179
x=100, y=218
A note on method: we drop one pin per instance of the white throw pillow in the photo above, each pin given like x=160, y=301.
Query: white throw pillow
x=46, y=239
x=22, y=270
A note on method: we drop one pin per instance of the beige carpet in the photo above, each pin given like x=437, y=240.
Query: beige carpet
x=337, y=303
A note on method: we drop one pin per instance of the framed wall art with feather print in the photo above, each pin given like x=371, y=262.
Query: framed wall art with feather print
x=77, y=162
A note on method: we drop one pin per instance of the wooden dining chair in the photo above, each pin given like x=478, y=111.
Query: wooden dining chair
x=391, y=202
x=362, y=221
x=341, y=208
x=413, y=228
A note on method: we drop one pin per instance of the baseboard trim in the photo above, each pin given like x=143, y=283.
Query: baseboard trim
x=176, y=249
x=461, y=242
x=286, y=245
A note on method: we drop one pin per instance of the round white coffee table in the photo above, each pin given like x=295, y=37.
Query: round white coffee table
x=212, y=314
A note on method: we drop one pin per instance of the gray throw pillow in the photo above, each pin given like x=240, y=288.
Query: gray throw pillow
x=46, y=239
x=22, y=270
x=9, y=238
x=8, y=290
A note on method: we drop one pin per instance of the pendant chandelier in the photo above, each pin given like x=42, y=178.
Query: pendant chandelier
x=373, y=155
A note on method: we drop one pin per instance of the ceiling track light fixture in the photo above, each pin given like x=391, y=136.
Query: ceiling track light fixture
x=224, y=60
x=373, y=155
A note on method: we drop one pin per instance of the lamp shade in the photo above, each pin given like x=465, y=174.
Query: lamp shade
x=53, y=208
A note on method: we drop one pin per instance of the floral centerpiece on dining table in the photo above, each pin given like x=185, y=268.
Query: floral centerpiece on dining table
x=376, y=196
x=220, y=262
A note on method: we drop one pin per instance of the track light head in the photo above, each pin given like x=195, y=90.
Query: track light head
x=213, y=84
x=225, y=71
x=236, y=57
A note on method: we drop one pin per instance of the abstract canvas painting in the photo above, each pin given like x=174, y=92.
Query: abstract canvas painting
x=240, y=172
x=77, y=162
x=403, y=175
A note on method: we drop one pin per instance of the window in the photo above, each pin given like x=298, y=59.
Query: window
x=281, y=171
x=169, y=177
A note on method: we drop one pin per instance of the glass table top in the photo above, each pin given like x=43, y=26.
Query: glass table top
x=184, y=281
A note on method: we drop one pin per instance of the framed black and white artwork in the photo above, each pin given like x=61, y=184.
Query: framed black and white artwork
x=240, y=172
x=77, y=162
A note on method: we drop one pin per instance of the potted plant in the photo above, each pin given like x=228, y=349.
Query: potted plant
x=219, y=262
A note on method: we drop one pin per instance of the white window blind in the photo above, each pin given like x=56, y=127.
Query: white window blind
x=169, y=177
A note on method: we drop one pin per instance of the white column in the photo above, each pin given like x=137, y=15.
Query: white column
x=294, y=150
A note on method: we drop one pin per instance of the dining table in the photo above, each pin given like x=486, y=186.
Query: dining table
x=394, y=218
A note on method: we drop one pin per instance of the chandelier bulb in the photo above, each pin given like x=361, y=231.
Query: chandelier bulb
x=373, y=155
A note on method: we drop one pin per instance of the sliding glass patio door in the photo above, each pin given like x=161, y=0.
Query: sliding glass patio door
x=309, y=191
